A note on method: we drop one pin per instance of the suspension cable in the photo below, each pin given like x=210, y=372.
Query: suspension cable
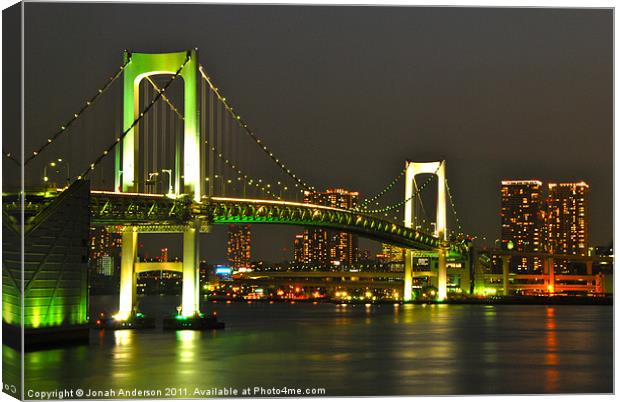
x=421, y=203
x=165, y=98
x=230, y=164
x=382, y=192
x=136, y=121
x=10, y=156
x=400, y=204
x=249, y=131
x=456, y=216
x=249, y=180
x=89, y=103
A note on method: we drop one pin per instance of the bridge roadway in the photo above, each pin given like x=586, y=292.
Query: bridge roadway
x=133, y=213
x=160, y=213
x=331, y=274
x=316, y=283
x=341, y=279
x=563, y=257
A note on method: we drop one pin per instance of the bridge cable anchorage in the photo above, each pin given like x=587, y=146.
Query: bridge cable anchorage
x=367, y=201
x=70, y=122
x=249, y=131
x=136, y=121
x=458, y=222
x=400, y=204
x=220, y=155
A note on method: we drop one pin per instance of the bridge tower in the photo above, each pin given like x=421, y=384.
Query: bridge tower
x=141, y=65
x=187, y=175
x=413, y=169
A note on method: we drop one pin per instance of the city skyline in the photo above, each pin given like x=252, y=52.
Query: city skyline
x=208, y=189
x=507, y=110
x=534, y=227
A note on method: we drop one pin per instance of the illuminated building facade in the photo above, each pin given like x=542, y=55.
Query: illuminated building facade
x=522, y=221
x=298, y=249
x=329, y=247
x=105, y=265
x=239, y=246
x=104, y=249
x=315, y=247
x=566, y=219
x=391, y=254
x=103, y=243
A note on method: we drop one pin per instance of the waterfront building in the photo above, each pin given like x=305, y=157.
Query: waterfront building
x=105, y=265
x=392, y=254
x=363, y=255
x=330, y=247
x=315, y=247
x=298, y=249
x=239, y=246
x=522, y=221
x=164, y=255
x=566, y=220
x=103, y=243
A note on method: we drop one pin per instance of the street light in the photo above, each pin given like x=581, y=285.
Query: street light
x=169, y=171
x=53, y=164
x=282, y=188
x=150, y=181
x=66, y=169
x=222, y=181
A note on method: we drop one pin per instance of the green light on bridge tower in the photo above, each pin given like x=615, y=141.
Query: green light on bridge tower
x=141, y=66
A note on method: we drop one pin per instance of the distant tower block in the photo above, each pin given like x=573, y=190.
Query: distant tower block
x=140, y=66
x=412, y=170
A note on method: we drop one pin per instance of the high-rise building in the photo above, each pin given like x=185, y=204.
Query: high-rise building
x=522, y=221
x=105, y=265
x=315, y=247
x=566, y=218
x=164, y=255
x=330, y=247
x=298, y=249
x=363, y=255
x=103, y=243
x=392, y=253
x=239, y=246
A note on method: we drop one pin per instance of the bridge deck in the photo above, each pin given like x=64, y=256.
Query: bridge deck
x=153, y=211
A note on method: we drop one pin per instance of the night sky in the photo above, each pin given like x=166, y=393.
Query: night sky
x=345, y=94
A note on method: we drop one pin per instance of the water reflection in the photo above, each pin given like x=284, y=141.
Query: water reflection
x=353, y=350
x=11, y=371
x=552, y=374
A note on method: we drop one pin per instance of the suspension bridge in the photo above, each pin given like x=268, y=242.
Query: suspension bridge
x=182, y=159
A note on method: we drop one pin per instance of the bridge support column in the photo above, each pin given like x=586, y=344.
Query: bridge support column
x=189, y=298
x=505, y=272
x=129, y=242
x=588, y=267
x=408, y=278
x=442, y=274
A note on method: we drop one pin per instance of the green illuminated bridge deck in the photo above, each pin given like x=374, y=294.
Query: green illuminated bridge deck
x=160, y=213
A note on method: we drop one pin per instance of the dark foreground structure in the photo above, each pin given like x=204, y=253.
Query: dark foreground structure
x=55, y=276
